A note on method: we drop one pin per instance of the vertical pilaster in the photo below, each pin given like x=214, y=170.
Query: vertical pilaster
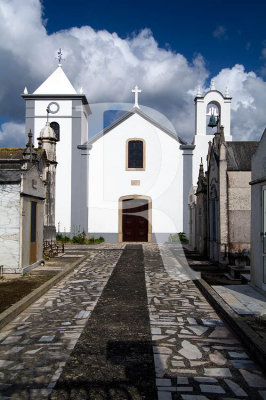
x=187, y=182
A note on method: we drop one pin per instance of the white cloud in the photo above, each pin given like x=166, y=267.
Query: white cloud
x=220, y=32
x=263, y=56
x=12, y=135
x=248, y=46
x=248, y=93
x=108, y=67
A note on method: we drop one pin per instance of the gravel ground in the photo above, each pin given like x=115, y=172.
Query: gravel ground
x=113, y=358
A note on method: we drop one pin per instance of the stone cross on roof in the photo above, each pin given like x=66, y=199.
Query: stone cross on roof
x=60, y=56
x=136, y=91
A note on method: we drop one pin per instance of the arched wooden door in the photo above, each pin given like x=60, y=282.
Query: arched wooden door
x=135, y=220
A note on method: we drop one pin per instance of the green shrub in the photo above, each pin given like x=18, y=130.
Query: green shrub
x=79, y=239
x=62, y=238
x=91, y=240
x=182, y=237
x=176, y=237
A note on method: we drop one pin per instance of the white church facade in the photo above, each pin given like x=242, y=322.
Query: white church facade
x=131, y=181
x=136, y=170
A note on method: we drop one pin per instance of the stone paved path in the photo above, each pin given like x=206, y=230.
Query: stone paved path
x=35, y=346
x=113, y=358
x=196, y=356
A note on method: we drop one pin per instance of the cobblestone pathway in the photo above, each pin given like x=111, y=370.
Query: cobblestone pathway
x=196, y=356
x=113, y=358
x=35, y=346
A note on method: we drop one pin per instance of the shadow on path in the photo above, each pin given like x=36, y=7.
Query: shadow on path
x=113, y=357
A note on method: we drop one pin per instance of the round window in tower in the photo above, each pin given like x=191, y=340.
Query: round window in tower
x=53, y=107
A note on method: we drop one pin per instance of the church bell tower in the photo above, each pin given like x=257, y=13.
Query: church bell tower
x=213, y=106
x=68, y=113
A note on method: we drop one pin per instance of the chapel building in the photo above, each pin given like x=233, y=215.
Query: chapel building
x=130, y=182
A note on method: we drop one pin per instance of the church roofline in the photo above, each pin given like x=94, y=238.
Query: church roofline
x=212, y=91
x=56, y=97
x=127, y=115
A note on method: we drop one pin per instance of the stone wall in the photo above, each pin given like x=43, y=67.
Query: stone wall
x=9, y=227
x=258, y=216
x=239, y=206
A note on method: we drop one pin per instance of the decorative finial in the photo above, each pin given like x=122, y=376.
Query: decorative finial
x=81, y=90
x=136, y=91
x=26, y=90
x=47, y=110
x=60, y=57
x=199, y=92
x=212, y=85
x=201, y=169
x=227, y=94
x=28, y=153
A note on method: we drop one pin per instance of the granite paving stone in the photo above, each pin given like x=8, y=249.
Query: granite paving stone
x=212, y=389
x=195, y=355
x=253, y=380
x=114, y=353
x=238, y=391
x=55, y=321
x=210, y=356
x=164, y=396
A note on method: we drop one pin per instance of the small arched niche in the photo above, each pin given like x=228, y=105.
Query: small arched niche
x=56, y=127
x=213, y=109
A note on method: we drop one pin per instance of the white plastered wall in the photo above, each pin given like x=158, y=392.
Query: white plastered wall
x=162, y=180
x=201, y=139
x=63, y=157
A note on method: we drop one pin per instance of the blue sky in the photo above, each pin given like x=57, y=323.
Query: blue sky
x=167, y=48
x=224, y=32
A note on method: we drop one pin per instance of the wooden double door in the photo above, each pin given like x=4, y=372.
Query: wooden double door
x=135, y=222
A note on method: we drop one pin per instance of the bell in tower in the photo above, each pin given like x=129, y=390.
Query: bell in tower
x=213, y=121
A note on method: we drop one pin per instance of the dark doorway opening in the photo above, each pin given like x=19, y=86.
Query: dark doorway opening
x=135, y=220
x=33, y=232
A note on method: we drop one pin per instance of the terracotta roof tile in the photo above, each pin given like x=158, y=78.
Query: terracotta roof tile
x=14, y=153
